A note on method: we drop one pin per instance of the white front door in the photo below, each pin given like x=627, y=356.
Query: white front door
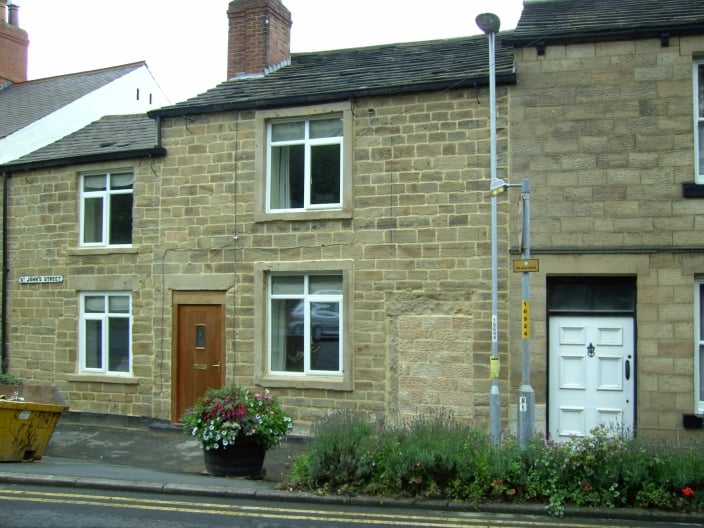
x=592, y=372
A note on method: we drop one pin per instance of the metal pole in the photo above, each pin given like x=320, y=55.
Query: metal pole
x=526, y=395
x=494, y=397
x=489, y=23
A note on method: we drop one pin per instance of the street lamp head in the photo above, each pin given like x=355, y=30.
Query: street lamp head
x=497, y=186
x=488, y=22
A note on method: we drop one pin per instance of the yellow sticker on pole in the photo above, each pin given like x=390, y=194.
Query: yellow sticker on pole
x=494, y=367
x=525, y=319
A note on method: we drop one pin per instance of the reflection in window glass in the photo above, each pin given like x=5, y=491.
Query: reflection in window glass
x=306, y=324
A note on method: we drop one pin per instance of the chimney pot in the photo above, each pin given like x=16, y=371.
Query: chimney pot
x=14, y=15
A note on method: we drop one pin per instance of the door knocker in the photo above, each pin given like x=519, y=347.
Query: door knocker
x=590, y=350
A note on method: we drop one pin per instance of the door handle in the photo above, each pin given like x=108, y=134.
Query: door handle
x=217, y=365
x=628, y=369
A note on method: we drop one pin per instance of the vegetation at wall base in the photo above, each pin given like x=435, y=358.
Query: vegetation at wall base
x=435, y=457
x=9, y=379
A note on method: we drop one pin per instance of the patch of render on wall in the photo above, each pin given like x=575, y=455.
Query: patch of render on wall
x=430, y=367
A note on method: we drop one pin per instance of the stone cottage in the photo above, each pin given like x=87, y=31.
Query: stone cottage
x=320, y=225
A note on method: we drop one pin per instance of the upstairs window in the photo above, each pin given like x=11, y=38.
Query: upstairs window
x=699, y=122
x=305, y=164
x=106, y=209
x=105, y=333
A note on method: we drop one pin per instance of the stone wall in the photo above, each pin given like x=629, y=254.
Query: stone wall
x=417, y=240
x=604, y=131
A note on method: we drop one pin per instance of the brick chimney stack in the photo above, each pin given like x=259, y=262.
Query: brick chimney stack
x=14, y=45
x=259, y=38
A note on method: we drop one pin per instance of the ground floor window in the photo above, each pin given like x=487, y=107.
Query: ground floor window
x=305, y=314
x=699, y=348
x=105, y=333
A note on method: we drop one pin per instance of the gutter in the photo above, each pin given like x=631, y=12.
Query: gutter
x=319, y=98
x=5, y=357
x=86, y=158
x=663, y=33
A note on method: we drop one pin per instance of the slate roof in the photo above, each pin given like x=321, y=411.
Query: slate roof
x=570, y=21
x=24, y=103
x=109, y=138
x=342, y=74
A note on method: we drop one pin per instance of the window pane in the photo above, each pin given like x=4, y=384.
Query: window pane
x=325, y=284
x=700, y=71
x=93, y=220
x=701, y=373
x=200, y=336
x=121, y=218
x=94, y=183
x=701, y=148
x=95, y=304
x=287, y=285
x=287, y=335
x=119, y=304
x=94, y=344
x=325, y=329
x=288, y=131
x=118, y=344
x=701, y=312
x=121, y=181
x=325, y=174
x=287, y=177
x=324, y=128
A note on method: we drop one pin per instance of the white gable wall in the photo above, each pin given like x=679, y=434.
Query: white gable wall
x=116, y=98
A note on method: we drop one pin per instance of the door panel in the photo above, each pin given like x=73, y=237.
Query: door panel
x=199, y=353
x=590, y=374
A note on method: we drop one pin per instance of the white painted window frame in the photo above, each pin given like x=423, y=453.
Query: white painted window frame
x=307, y=299
x=308, y=144
x=698, y=114
x=104, y=195
x=104, y=318
x=699, y=346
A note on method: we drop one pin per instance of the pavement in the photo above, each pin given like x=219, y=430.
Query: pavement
x=138, y=454
x=105, y=451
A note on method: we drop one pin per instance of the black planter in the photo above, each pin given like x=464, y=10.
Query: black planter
x=243, y=459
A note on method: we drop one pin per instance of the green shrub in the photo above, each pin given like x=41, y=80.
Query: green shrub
x=437, y=457
x=426, y=456
x=341, y=454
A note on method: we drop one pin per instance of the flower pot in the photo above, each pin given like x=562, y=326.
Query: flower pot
x=243, y=459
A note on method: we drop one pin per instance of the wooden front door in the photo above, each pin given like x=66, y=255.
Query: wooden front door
x=199, y=365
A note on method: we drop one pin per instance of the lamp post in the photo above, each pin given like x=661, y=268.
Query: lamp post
x=526, y=395
x=489, y=23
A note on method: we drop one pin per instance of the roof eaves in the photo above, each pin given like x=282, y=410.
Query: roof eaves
x=323, y=97
x=578, y=37
x=152, y=152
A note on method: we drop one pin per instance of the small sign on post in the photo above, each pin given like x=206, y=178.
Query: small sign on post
x=526, y=265
x=525, y=319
